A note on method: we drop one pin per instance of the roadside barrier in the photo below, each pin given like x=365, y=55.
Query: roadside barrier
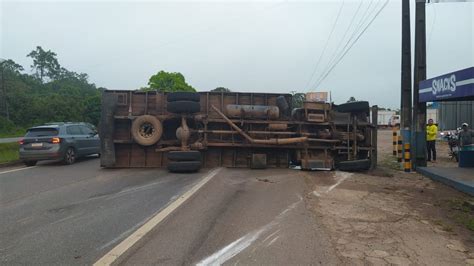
x=394, y=140
x=399, y=149
x=407, y=163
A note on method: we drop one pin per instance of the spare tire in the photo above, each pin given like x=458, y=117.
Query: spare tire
x=187, y=107
x=355, y=165
x=282, y=104
x=354, y=107
x=146, y=130
x=181, y=156
x=184, y=167
x=183, y=96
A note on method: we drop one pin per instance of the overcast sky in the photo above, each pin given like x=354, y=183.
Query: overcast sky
x=270, y=46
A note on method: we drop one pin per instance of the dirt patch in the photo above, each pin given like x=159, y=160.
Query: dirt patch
x=391, y=217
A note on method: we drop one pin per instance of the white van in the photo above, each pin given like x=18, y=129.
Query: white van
x=394, y=121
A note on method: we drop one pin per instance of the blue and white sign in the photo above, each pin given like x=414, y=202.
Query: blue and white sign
x=457, y=85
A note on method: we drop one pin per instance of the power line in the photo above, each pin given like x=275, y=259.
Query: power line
x=334, y=55
x=357, y=30
x=355, y=41
x=359, y=25
x=325, y=45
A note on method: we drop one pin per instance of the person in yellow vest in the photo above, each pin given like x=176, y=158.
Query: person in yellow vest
x=431, y=133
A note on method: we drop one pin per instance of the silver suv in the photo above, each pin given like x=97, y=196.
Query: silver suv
x=59, y=141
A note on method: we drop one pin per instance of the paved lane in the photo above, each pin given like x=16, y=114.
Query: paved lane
x=74, y=214
x=243, y=217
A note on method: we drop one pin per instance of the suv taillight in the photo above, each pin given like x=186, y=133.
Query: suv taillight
x=21, y=141
x=55, y=140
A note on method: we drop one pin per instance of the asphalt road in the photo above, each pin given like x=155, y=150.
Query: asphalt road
x=242, y=217
x=57, y=214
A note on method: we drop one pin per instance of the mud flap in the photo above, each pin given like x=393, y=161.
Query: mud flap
x=106, y=130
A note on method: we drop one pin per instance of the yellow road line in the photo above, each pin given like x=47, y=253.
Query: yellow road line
x=126, y=244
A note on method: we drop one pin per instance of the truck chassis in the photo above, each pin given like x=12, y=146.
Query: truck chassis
x=232, y=129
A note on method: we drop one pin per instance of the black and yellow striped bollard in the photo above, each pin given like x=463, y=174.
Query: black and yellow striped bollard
x=394, y=140
x=407, y=163
x=399, y=149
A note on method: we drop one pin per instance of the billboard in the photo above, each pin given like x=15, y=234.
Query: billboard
x=455, y=86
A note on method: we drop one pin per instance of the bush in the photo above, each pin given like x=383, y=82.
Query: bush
x=9, y=129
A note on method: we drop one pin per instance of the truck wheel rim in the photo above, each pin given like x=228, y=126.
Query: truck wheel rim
x=147, y=130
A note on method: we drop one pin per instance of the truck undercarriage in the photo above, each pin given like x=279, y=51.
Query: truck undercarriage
x=186, y=131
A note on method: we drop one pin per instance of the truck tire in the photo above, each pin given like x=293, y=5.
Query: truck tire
x=184, y=167
x=181, y=156
x=297, y=114
x=146, y=130
x=183, y=96
x=355, y=165
x=282, y=104
x=183, y=107
x=354, y=107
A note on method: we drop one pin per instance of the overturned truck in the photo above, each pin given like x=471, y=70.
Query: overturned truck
x=185, y=131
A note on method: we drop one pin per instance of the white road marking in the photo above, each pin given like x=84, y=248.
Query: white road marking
x=122, y=235
x=17, y=169
x=340, y=177
x=269, y=236
x=273, y=241
x=131, y=240
x=344, y=176
x=234, y=248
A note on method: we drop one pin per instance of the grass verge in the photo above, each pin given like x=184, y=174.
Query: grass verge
x=9, y=152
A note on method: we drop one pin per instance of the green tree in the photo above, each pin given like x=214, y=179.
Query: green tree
x=45, y=63
x=221, y=89
x=64, y=96
x=168, y=82
x=92, y=109
x=10, y=66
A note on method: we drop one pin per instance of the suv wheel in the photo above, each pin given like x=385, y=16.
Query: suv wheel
x=69, y=156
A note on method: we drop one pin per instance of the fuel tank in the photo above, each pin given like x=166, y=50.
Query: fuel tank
x=253, y=111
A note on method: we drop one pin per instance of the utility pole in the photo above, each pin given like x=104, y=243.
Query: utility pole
x=419, y=109
x=405, y=89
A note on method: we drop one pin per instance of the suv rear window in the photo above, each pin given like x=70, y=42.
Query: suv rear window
x=42, y=132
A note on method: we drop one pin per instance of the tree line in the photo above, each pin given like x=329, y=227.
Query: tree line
x=48, y=93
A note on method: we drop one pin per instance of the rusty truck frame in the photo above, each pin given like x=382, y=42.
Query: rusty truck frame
x=186, y=131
